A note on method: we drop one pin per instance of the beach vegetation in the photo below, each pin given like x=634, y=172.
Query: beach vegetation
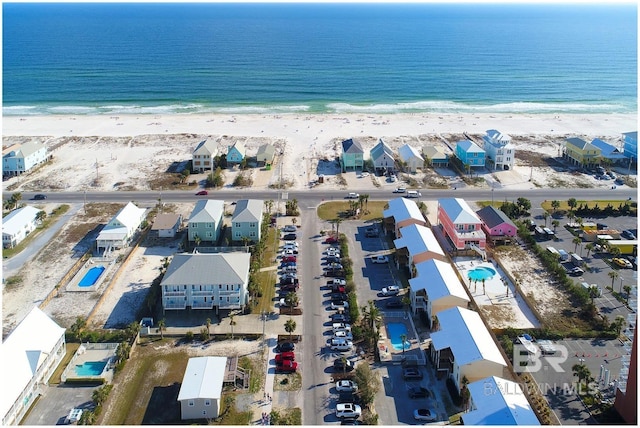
x=216, y=179
x=243, y=180
x=331, y=210
x=289, y=416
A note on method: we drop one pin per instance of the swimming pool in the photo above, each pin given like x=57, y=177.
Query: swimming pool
x=91, y=276
x=480, y=273
x=396, y=330
x=90, y=368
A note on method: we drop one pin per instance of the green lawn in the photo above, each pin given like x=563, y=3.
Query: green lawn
x=337, y=209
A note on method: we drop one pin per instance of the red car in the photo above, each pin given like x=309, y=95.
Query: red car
x=287, y=366
x=287, y=259
x=202, y=193
x=291, y=356
x=331, y=240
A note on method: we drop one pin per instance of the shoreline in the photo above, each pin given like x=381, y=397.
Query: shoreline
x=319, y=125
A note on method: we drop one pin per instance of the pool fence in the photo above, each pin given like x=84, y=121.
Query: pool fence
x=92, y=352
x=413, y=356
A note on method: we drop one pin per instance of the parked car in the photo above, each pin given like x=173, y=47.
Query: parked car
x=288, y=281
x=202, y=193
x=336, y=326
x=341, y=345
x=627, y=234
x=284, y=304
x=351, y=421
x=346, y=386
x=348, y=410
x=39, y=197
x=339, y=306
x=287, y=366
x=601, y=226
x=418, y=392
x=336, y=281
x=290, y=237
x=424, y=415
x=379, y=259
x=333, y=259
x=334, y=266
x=285, y=356
x=342, y=334
x=338, y=297
x=290, y=269
x=340, y=366
x=285, y=347
x=576, y=271
x=338, y=288
x=340, y=317
x=331, y=240
x=333, y=251
x=289, y=287
x=290, y=259
x=290, y=228
x=400, y=190
x=291, y=275
x=353, y=195
x=624, y=263
x=334, y=273
x=390, y=290
x=394, y=304
x=288, y=252
x=412, y=373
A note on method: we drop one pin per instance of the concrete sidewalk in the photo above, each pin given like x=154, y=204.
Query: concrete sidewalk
x=266, y=402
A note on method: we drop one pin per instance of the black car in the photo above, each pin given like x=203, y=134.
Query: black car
x=341, y=365
x=339, y=317
x=285, y=347
x=418, y=392
x=351, y=421
x=334, y=273
x=394, y=303
x=39, y=197
x=628, y=234
x=411, y=373
x=332, y=259
x=288, y=281
x=338, y=297
x=289, y=287
x=601, y=226
x=290, y=237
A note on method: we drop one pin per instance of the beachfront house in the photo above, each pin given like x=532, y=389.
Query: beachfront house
x=236, y=153
x=205, y=221
x=609, y=154
x=206, y=281
x=435, y=156
x=460, y=224
x=462, y=347
x=499, y=150
x=120, y=229
x=630, y=145
x=581, y=153
x=496, y=225
x=20, y=158
x=435, y=288
x=166, y=225
x=247, y=219
x=30, y=355
x=470, y=154
x=411, y=157
x=352, y=157
x=18, y=224
x=382, y=158
x=417, y=244
x=266, y=154
x=401, y=212
x=496, y=401
x=204, y=155
x=201, y=388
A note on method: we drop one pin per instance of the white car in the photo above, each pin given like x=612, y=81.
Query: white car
x=346, y=386
x=339, y=306
x=400, y=190
x=348, y=410
x=342, y=334
x=390, y=290
x=290, y=228
x=337, y=281
x=353, y=195
x=424, y=415
x=337, y=326
x=332, y=252
x=379, y=259
x=341, y=345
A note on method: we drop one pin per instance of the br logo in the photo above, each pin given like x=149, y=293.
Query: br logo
x=526, y=360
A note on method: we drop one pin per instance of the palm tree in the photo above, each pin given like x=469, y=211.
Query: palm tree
x=208, y=324
x=555, y=205
x=545, y=216
x=197, y=240
x=291, y=299
x=555, y=224
x=613, y=275
x=290, y=327
x=589, y=247
x=269, y=205
x=162, y=326
x=571, y=215
x=464, y=392
x=627, y=290
x=618, y=324
x=483, y=289
x=577, y=241
x=572, y=203
x=232, y=322
x=582, y=372
x=40, y=216
x=403, y=338
x=615, y=251
x=337, y=222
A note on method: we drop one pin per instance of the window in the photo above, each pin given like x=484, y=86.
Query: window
x=252, y=234
x=237, y=224
x=253, y=225
x=208, y=234
x=191, y=403
x=208, y=225
x=207, y=402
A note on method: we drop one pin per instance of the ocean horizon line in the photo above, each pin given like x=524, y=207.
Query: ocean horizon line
x=441, y=106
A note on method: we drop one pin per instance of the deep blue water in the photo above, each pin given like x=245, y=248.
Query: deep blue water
x=187, y=58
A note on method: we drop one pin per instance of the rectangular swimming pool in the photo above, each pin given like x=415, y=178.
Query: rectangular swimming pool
x=90, y=368
x=91, y=276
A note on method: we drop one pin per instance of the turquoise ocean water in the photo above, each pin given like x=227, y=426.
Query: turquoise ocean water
x=275, y=58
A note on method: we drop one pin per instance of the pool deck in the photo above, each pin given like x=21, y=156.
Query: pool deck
x=497, y=291
x=91, y=355
x=388, y=354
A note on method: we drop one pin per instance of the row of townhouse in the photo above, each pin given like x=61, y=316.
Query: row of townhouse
x=203, y=156
x=461, y=345
x=589, y=154
x=18, y=224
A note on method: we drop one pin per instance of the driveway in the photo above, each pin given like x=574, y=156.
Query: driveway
x=55, y=403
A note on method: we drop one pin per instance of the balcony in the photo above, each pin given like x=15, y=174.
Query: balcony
x=175, y=293
x=208, y=293
x=202, y=305
x=182, y=305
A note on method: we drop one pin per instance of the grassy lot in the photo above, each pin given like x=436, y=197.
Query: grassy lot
x=51, y=218
x=56, y=376
x=338, y=209
x=601, y=203
x=267, y=278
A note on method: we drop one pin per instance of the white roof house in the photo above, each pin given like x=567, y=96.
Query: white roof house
x=402, y=212
x=121, y=227
x=499, y=149
x=203, y=155
x=420, y=243
x=30, y=355
x=21, y=158
x=464, y=338
x=436, y=287
x=201, y=387
x=411, y=156
x=17, y=225
x=498, y=401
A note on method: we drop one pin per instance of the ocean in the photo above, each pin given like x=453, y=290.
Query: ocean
x=169, y=58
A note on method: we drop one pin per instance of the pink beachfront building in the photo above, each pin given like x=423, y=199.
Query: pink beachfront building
x=460, y=224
